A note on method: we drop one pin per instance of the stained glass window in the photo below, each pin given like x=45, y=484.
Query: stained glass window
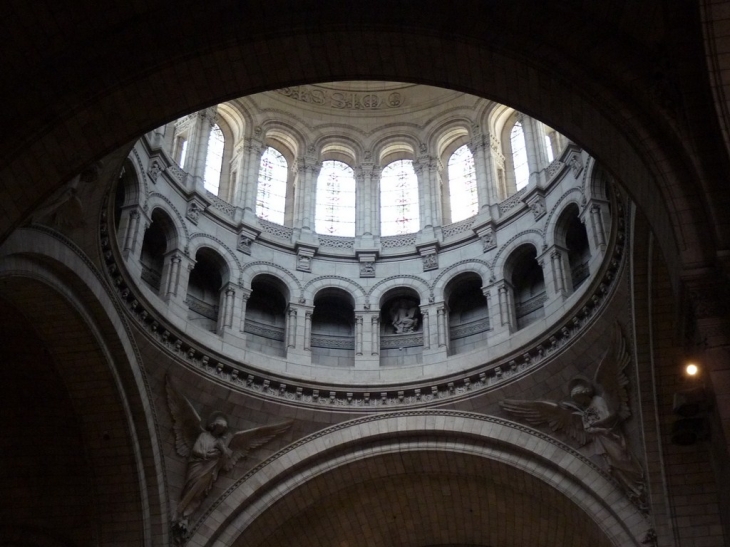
x=399, y=199
x=182, y=150
x=271, y=194
x=214, y=160
x=335, y=212
x=462, y=184
x=519, y=156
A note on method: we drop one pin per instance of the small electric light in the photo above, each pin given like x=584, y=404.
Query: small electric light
x=691, y=369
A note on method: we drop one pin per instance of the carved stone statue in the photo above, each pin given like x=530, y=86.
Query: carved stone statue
x=210, y=447
x=403, y=316
x=595, y=413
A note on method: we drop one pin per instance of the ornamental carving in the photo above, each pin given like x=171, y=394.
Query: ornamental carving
x=154, y=171
x=489, y=241
x=594, y=413
x=194, y=211
x=210, y=448
x=430, y=262
x=344, y=100
x=404, y=316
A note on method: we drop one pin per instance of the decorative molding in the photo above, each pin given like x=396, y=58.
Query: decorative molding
x=457, y=227
x=341, y=100
x=391, y=242
x=337, y=242
x=276, y=230
x=512, y=202
x=221, y=205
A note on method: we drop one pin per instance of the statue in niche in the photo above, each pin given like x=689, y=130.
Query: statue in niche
x=403, y=316
x=595, y=413
x=210, y=447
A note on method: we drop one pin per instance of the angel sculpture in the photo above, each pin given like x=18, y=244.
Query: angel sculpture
x=209, y=448
x=595, y=412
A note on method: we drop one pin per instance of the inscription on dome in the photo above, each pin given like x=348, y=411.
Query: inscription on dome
x=344, y=100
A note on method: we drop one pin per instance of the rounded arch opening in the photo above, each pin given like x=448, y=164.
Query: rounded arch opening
x=204, y=287
x=401, y=327
x=158, y=239
x=468, y=313
x=333, y=328
x=525, y=277
x=265, y=319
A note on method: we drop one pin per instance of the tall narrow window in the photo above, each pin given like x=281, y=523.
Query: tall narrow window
x=399, y=199
x=181, y=150
x=519, y=156
x=462, y=184
x=271, y=194
x=214, y=160
x=549, y=148
x=335, y=213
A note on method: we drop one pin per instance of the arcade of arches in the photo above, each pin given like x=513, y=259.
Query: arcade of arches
x=451, y=260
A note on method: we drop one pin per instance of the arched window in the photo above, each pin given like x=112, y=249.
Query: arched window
x=519, y=156
x=214, y=160
x=335, y=212
x=271, y=194
x=462, y=184
x=399, y=199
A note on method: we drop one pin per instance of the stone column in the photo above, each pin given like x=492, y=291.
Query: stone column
x=199, y=152
x=537, y=159
x=442, y=326
x=435, y=333
x=171, y=275
x=375, y=335
x=305, y=203
x=479, y=147
x=245, y=295
x=291, y=328
x=367, y=339
x=225, y=308
x=358, y=334
x=177, y=286
x=506, y=307
x=556, y=272
x=129, y=231
x=367, y=187
x=308, y=330
x=421, y=167
x=247, y=185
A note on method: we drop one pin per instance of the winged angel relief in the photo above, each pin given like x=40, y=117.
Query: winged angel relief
x=594, y=413
x=210, y=447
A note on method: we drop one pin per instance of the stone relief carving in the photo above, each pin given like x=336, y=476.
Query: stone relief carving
x=304, y=263
x=576, y=164
x=594, y=413
x=403, y=316
x=538, y=208
x=193, y=212
x=430, y=262
x=244, y=244
x=210, y=447
x=65, y=209
x=489, y=241
x=367, y=269
x=154, y=171
x=343, y=100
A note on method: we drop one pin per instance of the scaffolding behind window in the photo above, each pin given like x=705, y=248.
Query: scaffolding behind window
x=519, y=156
x=335, y=214
x=271, y=194
x=462, y=184
x=214, y=160
x=399, y=199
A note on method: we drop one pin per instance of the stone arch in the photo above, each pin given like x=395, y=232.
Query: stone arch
x=418, y=284
x=155, y=201
x=390, y=148
x=340, y=147
x=533, y=237
x=252, y=269
x=480, y=267
x=199, y=240
x=118, y=406
x=286, y=136
x=355, y=290
x=574, y=479
x=571, y=196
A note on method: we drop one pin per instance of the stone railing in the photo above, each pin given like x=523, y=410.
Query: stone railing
x=262, y=329
x=395, y=341
x=205, y=309
x=467, y=329
x=220, y=204
x=332, y=341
